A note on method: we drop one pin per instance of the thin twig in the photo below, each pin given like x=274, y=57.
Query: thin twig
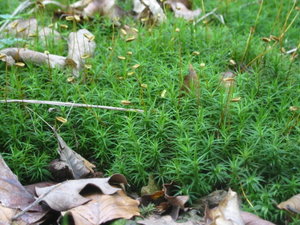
x=19, y=9
x=206, y=15
x=69, y=104
x=36, y=202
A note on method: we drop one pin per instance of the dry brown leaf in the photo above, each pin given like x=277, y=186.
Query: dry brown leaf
x=157, y=13
x=151, y=188
x=212, y=200
x=79, y=46
x=251, y=219
x=191, y=82
x=29, y=29
x=67, y=195
x=37, y=58
x=291, y=205
x=229, y=207
x=103, y=208
x=104, y=8
x=14, y=197
x=162, y=220
x=78, y=166
x=182, y=11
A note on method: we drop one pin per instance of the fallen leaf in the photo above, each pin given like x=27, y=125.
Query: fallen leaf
x=191, y=82
x=155, y=9
x=212, y=200
x=291, y=205
x=61, y=119
x=251, y=219
x=104, y=8
x=228, y=79
x=14, y=197
x=67, y=195
x=150, y=188
x=182, y=11
x=78, y=166
x=80, y=46
x=37, y=58
x=162, y=220
x=29, y=28
x=102, y=208
x=229, y=207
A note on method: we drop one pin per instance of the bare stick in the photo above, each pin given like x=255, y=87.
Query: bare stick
x=24, y=5
x=36, y=202
x=69, y=104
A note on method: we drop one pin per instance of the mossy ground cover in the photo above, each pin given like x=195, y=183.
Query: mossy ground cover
x=251, y=145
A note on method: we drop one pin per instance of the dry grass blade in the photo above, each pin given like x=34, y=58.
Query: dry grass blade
x=37, y=58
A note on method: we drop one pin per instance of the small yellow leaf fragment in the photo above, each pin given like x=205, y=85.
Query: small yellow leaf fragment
x=232, y=62
x=61, y=119
x=51, y=25
x=46, y=52
x=70, y=79
x=130, y=39
x=19, y=64
x=274, y=38
x=120, y=78
x=163, y=93
x=235, y=99
x=85, y=56
x=125, y=102
x=63, y=26
x=144, y=85
x=144, y=20
x=196, y=53
x=293, y=108
x=177, y=30
x=228, y=79
x=123, y=31
x=134, y=29
x=121, y=57
x=2, y=56
x=21, y=30
x=202, y=64
x=14, y=24
x=129, y=53
x=130, y=73
x=282, y=50
x=266, y=39
x=110, y=48
x=136, y=66
x=297, y=8
x=88, y=66
x=32, y=35
x=89, y=37
x=77, y=18
x=69, y=18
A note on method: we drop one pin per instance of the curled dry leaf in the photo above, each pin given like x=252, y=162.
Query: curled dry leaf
x=182, y=11
x=80, y=46
x=67, y=195
x=78, y=166
x=151, y=188
x=104, y=8
x=251, y=219
x=102, y=208
x=291, y=205
x=154, y=7
x=191, y=82
x=29, y=29
x=14, y=197
x=212, y=200
x=37, y=58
